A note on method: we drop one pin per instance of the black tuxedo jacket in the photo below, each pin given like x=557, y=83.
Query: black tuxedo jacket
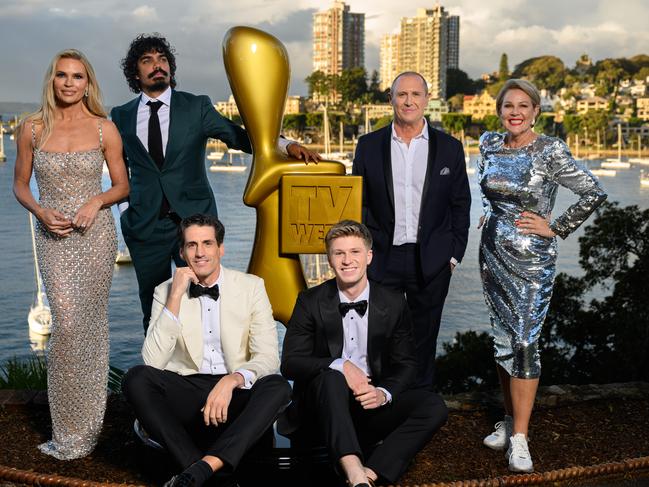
x=314, y=338
x=445, y=203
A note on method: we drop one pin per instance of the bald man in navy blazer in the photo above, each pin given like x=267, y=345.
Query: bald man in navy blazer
x=416, y=203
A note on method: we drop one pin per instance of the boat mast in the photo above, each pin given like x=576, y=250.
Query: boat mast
x=37, y=274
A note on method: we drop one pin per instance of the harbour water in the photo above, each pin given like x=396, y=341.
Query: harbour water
x=464, y=309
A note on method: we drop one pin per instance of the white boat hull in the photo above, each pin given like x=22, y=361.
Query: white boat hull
x=615, y=165
x=604, y=172
x=226, y=168
x=40, y=320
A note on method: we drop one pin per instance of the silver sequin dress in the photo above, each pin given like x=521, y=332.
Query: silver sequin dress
x=77, y=271
x=518, y=270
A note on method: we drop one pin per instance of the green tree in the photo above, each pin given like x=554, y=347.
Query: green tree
x=607, y=340
x=318, y=83
x=455, y=123
x=382, y=122
x=352, y=85
x=544, y=71
x=503, y=69
x=594, y=120
x=314, y=120
x=572, y=123
x=457, y=81
x=294, y=124
x=491, y=123
x=545, y=124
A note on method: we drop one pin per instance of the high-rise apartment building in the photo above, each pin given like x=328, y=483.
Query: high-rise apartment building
x=338, y=39
x=428, y=44
x=453, y=43
x=389, y=60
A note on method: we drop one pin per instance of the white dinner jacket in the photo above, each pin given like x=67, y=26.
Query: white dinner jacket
x=248, y=330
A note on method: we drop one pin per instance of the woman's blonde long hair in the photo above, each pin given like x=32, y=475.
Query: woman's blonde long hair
x=45, y=115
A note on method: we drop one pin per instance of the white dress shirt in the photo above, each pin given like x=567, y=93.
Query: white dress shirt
x=355, y=329
x=144, y=113
x=409, y=164
x=213, y=359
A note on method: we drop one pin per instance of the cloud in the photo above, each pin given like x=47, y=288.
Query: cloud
x=103, y=29
x=145, y=13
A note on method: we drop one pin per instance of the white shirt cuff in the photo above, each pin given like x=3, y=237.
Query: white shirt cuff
x=248, y=378
x=170, y=314
x=337, y=365
x=454, y=261
x=282, y=145
x=388, y=396
x=122, y=207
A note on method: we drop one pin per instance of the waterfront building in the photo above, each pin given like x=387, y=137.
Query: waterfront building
x=377, y=110
x=642, y=108
x=592, y=103
x=435, y=109
x=479, y=105
x=428, y=43
x=338, y=39
x=294, y=104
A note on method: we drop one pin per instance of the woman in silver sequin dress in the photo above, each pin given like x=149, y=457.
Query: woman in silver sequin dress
x=66, y=143
x=519, y=173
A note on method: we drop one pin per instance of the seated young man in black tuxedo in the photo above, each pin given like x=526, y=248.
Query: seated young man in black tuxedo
x=349, y=348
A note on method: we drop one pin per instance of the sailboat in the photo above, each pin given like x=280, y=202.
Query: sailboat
x=3, y=157
x=617, y=163
x=39, y=317
x=639, y=160
x=328, y=154
x=229, y=166
x=644, y=178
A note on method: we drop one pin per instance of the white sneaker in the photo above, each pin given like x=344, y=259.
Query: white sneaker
x=499, y=439
x=518, y=454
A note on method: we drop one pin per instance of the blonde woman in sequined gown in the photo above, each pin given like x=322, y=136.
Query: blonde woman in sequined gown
x=519, y=173
x=66, y=143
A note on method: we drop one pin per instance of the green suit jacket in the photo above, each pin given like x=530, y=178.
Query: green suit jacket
x=183, y=178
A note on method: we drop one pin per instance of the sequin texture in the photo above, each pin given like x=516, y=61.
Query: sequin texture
x=518, y=270
x=77, y=272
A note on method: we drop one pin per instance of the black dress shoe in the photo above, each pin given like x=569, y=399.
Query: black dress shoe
x=181, y=480
x=362, y=485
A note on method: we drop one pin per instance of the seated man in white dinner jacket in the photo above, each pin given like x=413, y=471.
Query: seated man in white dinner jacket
x=210, y=387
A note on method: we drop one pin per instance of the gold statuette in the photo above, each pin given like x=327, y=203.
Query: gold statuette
x=257, y=66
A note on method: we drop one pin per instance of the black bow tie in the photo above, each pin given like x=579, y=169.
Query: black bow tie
x=359, y=306
x=195, y=291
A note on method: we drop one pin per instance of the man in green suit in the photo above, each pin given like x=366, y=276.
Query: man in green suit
x=164, y=133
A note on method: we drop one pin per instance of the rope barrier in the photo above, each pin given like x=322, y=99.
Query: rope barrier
x=27, y=477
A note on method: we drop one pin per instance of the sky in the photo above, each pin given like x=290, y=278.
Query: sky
x=32, y=31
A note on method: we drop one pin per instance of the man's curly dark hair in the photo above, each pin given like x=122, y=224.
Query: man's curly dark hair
x=141, y=45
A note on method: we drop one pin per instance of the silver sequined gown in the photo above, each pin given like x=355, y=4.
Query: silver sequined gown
x=518, y=270
x=77, y=272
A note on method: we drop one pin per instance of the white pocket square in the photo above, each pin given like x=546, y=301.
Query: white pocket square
x=445, y=171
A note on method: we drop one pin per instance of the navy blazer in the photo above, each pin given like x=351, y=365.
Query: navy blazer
x=445, y=203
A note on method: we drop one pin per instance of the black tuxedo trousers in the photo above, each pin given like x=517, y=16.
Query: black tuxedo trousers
x=168, y=406
x=385, y=438
x=426, y=302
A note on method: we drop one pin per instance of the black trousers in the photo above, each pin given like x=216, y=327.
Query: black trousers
x=402, y=427
x=152, y=261
x=169, y=405
x=425, y=300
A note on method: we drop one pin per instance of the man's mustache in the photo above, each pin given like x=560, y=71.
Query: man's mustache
x=158, y=71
